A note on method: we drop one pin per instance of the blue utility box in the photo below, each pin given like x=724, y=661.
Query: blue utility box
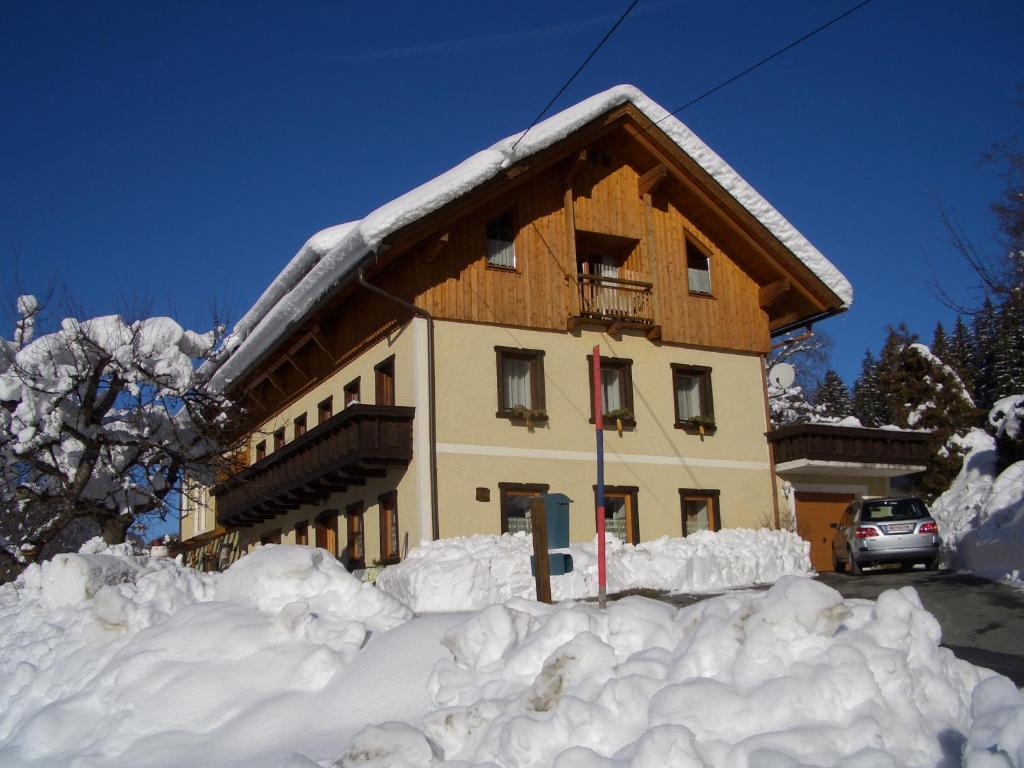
x=556, y=511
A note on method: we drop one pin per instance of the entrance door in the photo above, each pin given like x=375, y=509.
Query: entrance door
x=814, y=514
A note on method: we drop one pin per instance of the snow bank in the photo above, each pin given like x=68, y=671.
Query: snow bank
x=314, y=272
x=981, y=516
x=472, y=572
x=121, y=660
x=795, y=676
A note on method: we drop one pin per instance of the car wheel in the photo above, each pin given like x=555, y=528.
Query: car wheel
x=855, y=569
x=837, y=565
x=933, y=564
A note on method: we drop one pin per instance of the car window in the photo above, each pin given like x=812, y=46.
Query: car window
x=902, y=509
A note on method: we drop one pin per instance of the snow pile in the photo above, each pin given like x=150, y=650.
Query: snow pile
x=981, y=516
x=472, y=572
x=113, y=659
x=313, y=274
x=791, y=677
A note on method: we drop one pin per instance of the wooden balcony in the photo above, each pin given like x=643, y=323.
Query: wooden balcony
x=849, y=450
x=362, y=441
x=617, y=302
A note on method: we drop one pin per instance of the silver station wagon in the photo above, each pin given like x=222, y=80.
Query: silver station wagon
x=875, y=531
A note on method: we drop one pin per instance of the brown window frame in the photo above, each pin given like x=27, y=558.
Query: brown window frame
x=279, y=441
x=356, y=558
x=326, y=531
x=712, y=494
x=623, y=365
x=261, y=450
x=299, y=425
x=705, y=393
x=388, y=513
x=689, y=246
x=302, y=533
x=536, y=359
x=505, y=490
x=384, y=382
x=351, y=392
x=513, y=230
x=325, y=409
x=632, y=492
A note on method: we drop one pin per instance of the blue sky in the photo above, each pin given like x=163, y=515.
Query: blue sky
x=179, y=154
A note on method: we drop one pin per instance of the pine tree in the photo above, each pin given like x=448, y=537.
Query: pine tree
x=961, y=347
x=986, y=331
x=867, y=401
x=940, y=343
x=1008, y=349
x=833, y=397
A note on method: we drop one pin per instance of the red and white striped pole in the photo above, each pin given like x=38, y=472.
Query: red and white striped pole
x=602, y=581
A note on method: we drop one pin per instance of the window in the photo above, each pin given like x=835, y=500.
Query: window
x=355, y=547
x=324, y=410
x=271, y=537
x=279, y=439
x=694, y=406
x=299, y=426
x=326, y=531
x=352, y=392
x=700, y=510
x=389, y=527
x=302, y=533
x=698, y=270
x=261, y=450
x=520, y=383
x=501, y=245
x=616, y=390
x=385, y=382
x=620, y=512
x=515, y=505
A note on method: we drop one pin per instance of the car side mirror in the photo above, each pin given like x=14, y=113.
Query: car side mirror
x=834, y=525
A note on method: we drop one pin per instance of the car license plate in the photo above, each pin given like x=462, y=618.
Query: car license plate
x=900, y=528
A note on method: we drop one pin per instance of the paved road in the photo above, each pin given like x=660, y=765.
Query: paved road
x=982, y=622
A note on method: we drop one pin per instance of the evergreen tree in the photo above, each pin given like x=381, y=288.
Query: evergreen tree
x=1008, y=349
x=833, y=397
x=940, y=343
x=986, y=332
x=868, y=405
x=961, y=347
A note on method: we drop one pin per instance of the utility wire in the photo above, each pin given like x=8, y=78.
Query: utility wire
x=578, y=70
x=765, y=60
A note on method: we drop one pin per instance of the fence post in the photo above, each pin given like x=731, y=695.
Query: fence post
x=542, y=567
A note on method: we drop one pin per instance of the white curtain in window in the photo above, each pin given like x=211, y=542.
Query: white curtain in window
x=700, y=280
x=517, y=383
x=697, y=515
x=501, y=253
x=610, y=392
x=688, y=396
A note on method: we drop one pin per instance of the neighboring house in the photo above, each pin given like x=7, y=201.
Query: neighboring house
x=424, y=371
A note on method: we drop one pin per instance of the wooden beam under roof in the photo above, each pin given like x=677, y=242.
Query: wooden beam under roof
x=649, y=181
x=769, y=294
x=435, y=247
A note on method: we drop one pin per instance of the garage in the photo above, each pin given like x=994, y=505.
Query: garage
x=815, y=513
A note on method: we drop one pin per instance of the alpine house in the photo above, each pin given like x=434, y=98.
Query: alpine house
x=424, y=371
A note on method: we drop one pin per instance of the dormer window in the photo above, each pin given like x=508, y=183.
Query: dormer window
x=501, y=246
x=698, y=270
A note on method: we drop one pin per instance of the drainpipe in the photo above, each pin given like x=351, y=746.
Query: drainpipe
x=431, y=395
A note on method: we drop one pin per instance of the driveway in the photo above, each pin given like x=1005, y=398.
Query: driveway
x=982, y=622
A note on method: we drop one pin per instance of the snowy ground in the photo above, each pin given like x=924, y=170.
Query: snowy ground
x=288, y=660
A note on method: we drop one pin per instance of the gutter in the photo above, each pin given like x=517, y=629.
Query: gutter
x=808, y=321
x=431, y=390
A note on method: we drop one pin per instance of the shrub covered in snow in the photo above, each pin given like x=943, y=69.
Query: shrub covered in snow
x=1007, y=419
x=466, y=573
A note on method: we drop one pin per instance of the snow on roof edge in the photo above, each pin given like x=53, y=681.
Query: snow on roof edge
x=305, y=280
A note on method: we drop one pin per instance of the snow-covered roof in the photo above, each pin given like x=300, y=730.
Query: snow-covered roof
x=330, y=255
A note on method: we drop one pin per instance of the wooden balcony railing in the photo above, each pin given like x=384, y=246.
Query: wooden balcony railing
x=616, y=299
x=829, y=442
x=362, y=441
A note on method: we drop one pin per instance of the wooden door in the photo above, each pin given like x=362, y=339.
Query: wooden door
x=815, y=512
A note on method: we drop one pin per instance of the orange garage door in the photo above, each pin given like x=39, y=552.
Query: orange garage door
x=814, y=514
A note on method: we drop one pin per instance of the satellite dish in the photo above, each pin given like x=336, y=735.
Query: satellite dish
x=782, y=375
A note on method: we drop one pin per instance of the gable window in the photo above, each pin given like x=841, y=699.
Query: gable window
x=699, y=510
x=385, y=381
x=352, y=392
x=261, y=450
x=501, y=245
x=698, y=270
x=695, y=409
x=620, y=512
x=299, y=426
x=389, y=527
x=616, y=390
x=520, y=383
x=324, y=410
x=515, y=505
x=279, y=439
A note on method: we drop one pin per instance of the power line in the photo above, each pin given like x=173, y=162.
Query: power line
x=765, y=60
x=578, y=70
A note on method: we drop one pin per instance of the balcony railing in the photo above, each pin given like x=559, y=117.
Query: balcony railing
x=829, y=442
x=616, y=299
x=362, y=441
